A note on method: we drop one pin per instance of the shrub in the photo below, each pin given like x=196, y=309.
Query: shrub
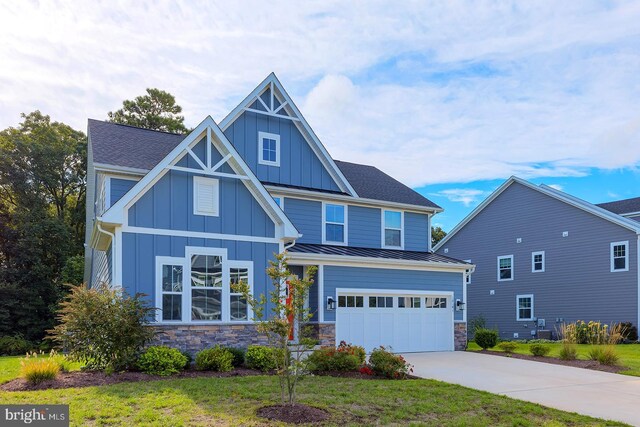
x=389, y=365
x=608, y=356
x=14, y=345
x=539, y=350
x=38, y=369
x=595, y=353
x=103, y=328
x=486, y=338
x=189, y=358
x=593, y=333
x=508, y=346
x=628, y=331
x=217, y=359
x=345, y=357
x=568, y=351
x=161, y=360
x=261, y=358
x=238, y=356
x=63, y=362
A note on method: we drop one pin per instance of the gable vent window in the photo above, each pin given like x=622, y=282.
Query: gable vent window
x=268, y=149
x=205, y=196
x=620, y=256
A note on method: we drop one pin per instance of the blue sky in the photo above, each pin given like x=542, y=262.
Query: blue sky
x=449, y=97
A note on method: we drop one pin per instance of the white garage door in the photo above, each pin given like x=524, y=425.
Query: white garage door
x=405, y=322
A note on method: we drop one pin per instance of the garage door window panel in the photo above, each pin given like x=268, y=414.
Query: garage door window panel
x=380, y=302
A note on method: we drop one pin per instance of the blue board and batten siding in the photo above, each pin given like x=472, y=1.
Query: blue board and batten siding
x=299, y=165
x=169, y=205
x=119, y=187
x=385, y=279
x=577, y=283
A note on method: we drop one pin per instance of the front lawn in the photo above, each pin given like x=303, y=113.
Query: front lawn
x=234, y=401
x=629, y=354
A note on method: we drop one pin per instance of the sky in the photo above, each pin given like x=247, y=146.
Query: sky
x=450, y=98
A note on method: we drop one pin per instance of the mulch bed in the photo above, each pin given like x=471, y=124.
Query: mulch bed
x=293, y=414
x=586, y=364
x=356, y=375
x=93, y=378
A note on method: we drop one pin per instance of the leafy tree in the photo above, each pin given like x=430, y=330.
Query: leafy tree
x=157, y=110
x=290, y=366
x=73, y=270
x=42, y=198
x=437, y=234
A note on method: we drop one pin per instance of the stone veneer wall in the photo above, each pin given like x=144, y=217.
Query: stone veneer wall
x=460, y=336
x=193, y=338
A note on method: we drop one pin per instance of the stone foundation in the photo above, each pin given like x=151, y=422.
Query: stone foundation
x=460, y=336
x=193, y=338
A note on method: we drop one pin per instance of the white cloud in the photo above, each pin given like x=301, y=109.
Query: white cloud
x=556, y=186
x=466, y=196
x=429, y=92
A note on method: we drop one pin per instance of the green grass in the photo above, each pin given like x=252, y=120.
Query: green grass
x=10, y=367
x=629, y=354
x=234, y=401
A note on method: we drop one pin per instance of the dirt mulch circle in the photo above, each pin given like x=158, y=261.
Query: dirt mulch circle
x=93, y=378
x=586, y=364
x=293, y=414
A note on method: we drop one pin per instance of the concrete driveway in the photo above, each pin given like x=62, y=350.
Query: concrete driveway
x=599, y=394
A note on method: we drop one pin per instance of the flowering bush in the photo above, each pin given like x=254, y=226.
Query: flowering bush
x=345, y=357
x=366, y=370
x=581, y=332
x=389, y=365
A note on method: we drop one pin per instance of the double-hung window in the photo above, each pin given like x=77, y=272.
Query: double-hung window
x=537, y=262
x=392, y=233
x=505, y=268
x=620, y=256
x=239, y=272
x=524, y=307
x=268, y=149
x=335, y=224
x=171, y=287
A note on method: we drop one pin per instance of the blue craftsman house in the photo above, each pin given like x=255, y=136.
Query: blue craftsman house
x=181, y=217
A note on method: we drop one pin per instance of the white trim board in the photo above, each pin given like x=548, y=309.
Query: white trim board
x=345, y=224
x=297, y=258
x=272, y=83
x=117, y=214
x=548, y=191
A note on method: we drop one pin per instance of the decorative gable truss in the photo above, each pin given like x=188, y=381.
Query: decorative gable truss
x=269, y=98
x=231, y=166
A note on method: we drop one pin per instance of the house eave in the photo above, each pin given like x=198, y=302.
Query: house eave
x=377, y=262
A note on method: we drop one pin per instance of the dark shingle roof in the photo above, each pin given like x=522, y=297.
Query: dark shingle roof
x=128, y=146
x=132, y=147
x=309, y=248
x=622, y=206
x=371, y=183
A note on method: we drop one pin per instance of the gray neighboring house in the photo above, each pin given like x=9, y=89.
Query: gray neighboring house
x=544, y=257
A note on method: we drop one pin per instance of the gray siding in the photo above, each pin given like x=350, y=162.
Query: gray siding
x=577, y=283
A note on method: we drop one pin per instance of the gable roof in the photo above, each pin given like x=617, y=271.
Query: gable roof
x=129, y=146
x=132, y=148
x=272, y=84
x=548, y=191
x=116, y=214
x=371, y=183
x=622, y=207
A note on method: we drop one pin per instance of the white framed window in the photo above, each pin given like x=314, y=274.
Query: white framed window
x=351, y=301
x=380, y=302
x=170, y=289
x=206, y=196
x=435, y=302
x=505, y=268
x=392, y=229
x=620, y=256
x=334, y=223
x=197, y=288
x=268, y=149
x=409, y=302
x=524, y=307
x=537, y=262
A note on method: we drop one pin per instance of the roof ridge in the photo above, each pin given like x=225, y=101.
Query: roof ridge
x=136, y=127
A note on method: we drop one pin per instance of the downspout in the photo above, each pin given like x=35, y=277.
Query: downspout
x=113, y=246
